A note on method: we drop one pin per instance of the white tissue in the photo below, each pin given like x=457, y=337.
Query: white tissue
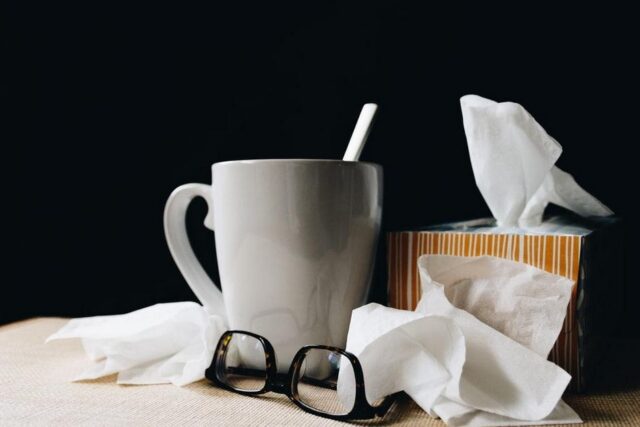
x=466, y=370
x=513, y=161
x=164, y=343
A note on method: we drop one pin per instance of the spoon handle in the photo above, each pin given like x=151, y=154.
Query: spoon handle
x=360, y=133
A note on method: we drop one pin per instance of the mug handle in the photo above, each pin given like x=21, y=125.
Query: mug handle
x=175, y=231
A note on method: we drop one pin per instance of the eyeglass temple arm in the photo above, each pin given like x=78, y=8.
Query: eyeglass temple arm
x=386, y=403
x=281, y=381
x=328, y=384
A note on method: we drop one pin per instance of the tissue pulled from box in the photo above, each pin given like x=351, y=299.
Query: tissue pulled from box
x=513, y=160
x=474, y=351
x=163, y=343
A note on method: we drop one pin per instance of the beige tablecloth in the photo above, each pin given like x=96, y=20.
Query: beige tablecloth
x=35, y=389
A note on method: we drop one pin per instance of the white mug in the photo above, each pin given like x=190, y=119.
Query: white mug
x=296, y=243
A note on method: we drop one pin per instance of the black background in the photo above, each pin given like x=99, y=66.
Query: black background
x=110, y=107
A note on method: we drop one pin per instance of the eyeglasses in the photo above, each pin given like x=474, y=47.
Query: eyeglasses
x=325, y=381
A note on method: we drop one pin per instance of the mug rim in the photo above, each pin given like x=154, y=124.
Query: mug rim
x=259, y=161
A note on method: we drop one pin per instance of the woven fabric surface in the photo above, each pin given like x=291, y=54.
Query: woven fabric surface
x=35, y=388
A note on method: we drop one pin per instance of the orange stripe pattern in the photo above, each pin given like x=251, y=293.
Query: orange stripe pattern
x=558, y=254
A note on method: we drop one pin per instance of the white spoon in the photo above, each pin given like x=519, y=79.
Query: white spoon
x=360, y=133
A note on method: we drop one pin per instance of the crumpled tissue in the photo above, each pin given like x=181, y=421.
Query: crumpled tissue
x=475, y=350
x=163, y=343
x=473, y=353
x=513, y=160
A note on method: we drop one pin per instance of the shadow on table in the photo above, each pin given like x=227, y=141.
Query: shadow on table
x=401, y=410
x=613, y=397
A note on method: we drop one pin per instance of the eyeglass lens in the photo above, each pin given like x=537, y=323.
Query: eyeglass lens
x=326, y=382
x=244, y=364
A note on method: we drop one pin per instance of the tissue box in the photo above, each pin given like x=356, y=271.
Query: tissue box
x=587, y=251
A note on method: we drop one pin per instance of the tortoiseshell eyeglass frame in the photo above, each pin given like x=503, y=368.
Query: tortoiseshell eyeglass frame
x=287, y=384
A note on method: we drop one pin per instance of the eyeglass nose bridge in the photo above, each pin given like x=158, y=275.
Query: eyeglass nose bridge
x=280, y=384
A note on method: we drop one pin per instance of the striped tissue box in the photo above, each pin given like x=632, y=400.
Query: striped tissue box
x=589, y=252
